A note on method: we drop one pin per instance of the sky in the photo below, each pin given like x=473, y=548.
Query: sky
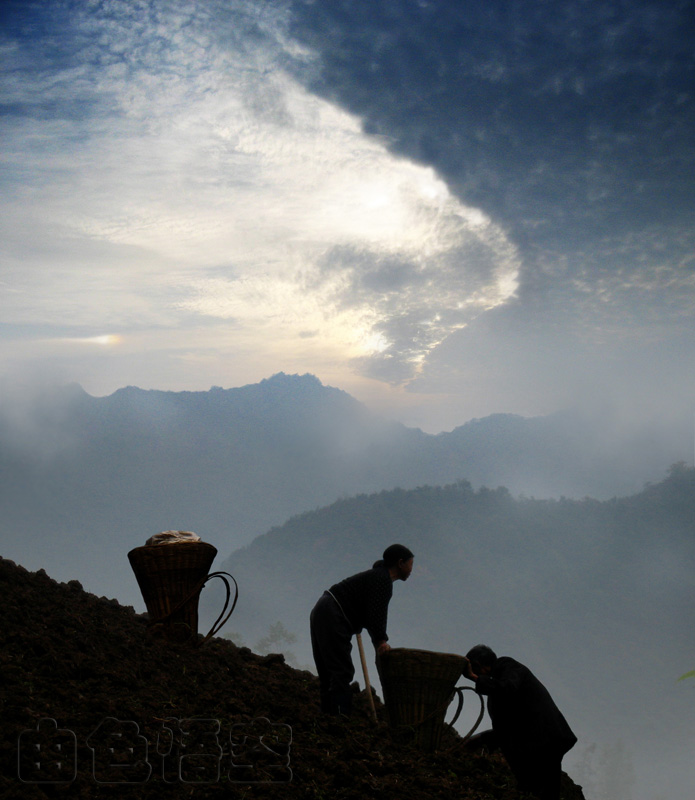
x=446, y=209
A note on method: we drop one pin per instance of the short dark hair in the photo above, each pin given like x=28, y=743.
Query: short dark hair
x=392, y=555
x=395, y=553
x=482, y=655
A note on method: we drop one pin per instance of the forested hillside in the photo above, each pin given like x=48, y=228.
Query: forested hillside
x=596, y=596
x=84, y=479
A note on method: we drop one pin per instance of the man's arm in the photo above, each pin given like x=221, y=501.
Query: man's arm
x=377, y=609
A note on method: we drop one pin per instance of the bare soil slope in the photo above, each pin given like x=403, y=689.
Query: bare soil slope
x=94, y=705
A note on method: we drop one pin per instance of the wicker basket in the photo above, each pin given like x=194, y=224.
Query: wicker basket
x=418, y=687
x=171, y=577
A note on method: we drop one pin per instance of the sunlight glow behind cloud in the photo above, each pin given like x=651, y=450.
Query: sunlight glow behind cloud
x=106, y=340
x=216, y=187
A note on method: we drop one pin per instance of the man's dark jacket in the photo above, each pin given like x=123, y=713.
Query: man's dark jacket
x=525, y=720
x=364, y=599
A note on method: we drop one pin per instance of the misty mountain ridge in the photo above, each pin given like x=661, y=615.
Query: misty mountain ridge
x=83, y=480
x=97, y=476
x=564, y=453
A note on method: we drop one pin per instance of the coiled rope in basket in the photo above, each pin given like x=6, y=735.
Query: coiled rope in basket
x=171, y=578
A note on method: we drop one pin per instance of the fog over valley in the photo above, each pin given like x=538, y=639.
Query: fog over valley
x=595, y=596
x=553, y=539
x=106, y=472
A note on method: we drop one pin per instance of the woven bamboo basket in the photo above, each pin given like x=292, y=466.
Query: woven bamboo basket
x=171, y=577
x=418, y=687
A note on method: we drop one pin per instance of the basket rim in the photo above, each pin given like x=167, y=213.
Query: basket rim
x=396, y=651
x=151, y=547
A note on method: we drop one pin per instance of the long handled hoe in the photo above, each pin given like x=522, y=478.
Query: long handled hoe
x=366, y=676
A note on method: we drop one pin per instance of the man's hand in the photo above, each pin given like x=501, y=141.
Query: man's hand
x=468, y=671
x=382, y=648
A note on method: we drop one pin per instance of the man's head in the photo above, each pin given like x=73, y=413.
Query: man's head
x=482, y=659
x=398, y=560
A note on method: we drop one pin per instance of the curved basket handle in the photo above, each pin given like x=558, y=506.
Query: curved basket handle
x=459, y=691
x=219, y=622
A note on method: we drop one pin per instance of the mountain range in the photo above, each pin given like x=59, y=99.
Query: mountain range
x=84, y=479
x=555, y=539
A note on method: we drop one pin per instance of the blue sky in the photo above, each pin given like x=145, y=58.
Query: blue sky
x=446, y=209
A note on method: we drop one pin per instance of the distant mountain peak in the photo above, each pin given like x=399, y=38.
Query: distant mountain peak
x=283, y=382
x=301, y=388
x=281, y=378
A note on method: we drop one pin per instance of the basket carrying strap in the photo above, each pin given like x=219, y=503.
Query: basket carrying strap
x=219, y=622
x=459, y=691
x=222, y=618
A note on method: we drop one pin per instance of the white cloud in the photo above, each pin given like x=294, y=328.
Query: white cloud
x=199, y=178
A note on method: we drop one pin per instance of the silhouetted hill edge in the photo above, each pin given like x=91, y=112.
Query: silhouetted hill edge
x=84, y=680
x=596, y=596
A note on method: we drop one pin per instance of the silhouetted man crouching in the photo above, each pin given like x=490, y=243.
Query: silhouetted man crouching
x=529, y=728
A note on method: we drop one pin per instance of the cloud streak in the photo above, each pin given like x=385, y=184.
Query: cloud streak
x=190, y=175
x=572, y=130
x=403, y=194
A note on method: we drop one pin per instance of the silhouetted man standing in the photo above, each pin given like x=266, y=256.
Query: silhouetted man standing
x=360, y=601
x=531, y=731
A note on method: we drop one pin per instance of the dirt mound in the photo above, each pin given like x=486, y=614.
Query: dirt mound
x=94, y=705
